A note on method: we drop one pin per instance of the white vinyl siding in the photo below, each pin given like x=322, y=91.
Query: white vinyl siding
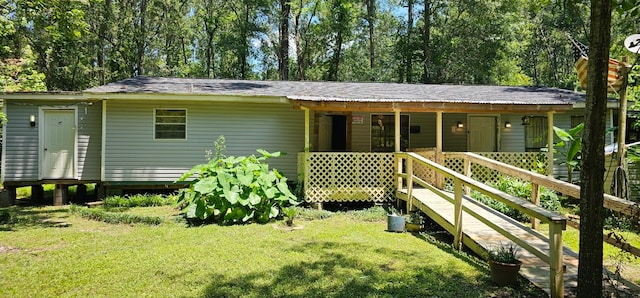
x=133, y=155
x=21, y=139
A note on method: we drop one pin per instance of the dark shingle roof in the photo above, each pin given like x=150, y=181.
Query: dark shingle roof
x=344, y=91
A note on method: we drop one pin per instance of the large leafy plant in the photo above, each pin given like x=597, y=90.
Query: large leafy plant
x=231, y=190
x=570, y=148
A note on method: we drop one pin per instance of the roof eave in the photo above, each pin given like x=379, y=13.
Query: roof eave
x=185, y=96
x=450, y=107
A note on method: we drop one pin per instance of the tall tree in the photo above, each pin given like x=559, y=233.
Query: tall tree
x=408, y=50
x=371, y=18
x=339, y=19
x=592, y=175
x=283, y=49
x=426, y=36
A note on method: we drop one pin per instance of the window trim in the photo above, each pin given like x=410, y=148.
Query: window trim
x=155, y=123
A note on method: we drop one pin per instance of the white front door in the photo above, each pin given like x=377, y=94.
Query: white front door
x=482, y=134
x=58, y=144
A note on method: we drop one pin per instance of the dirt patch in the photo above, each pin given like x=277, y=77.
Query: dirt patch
x=8, y=249
x=285, y=228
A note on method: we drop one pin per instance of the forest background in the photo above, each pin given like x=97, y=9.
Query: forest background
x=72, y=45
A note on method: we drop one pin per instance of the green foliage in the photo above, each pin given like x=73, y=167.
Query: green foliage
x=548, y=199
x=290, y=214
x=114, y=217
x=6, y=216
x=139, y=200
x=20, y=74
x=235, y=190
x=569, y=148
x=504, y=254
x=78, y=44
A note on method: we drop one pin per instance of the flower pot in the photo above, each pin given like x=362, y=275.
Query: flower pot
x=413, y=227
x=395, y=223
x=504, y=274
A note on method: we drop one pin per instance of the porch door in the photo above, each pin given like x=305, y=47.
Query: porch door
x=332, y=133
x=58, y=144
x=482, y=134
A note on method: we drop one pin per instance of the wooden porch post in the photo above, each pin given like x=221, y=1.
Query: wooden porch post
x=550, y=134
x=439, y=159
x=397, y=132
x=307, y=147
x=397, y=146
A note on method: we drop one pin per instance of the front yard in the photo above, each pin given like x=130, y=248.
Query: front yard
x=51, y=252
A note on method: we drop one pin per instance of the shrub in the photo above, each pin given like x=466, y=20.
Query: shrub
x=139, y=200
x=231, y=190
x=114, y=217
x=6, y=216
x=548, y=199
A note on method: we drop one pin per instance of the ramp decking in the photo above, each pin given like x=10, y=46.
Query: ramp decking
x=479, y=236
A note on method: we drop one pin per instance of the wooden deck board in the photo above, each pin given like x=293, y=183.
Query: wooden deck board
x=474, y=231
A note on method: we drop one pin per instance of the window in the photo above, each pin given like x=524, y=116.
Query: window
x=171, y=124
x=383, y=133
x=535, y=134
x=575, y=120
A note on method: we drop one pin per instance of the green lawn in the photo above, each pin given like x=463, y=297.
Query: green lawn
x=49, y=252
x=612, y=256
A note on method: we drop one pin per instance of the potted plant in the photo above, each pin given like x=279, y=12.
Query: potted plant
x=415, y=223
x=504, y=264
x=395, y=221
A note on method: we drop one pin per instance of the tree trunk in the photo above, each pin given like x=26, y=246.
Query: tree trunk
x=335, y=60
x=592, y=175
x=371, y=11
x=426, y=36
x=299, y=53
x=409, y=52
x=244, y=36
x=141, y=39
x=283, y=53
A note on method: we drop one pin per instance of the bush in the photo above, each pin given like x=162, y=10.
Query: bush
x=231, y=190
x=114, y=217
x=548, y=199
x=6, y=216
x=139, y=200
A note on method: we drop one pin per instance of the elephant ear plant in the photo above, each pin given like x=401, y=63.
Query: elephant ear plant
x=235, y=190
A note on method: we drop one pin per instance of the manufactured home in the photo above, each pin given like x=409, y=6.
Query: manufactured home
x=339, y=137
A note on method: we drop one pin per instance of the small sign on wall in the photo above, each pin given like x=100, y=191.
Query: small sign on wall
x=357, y=119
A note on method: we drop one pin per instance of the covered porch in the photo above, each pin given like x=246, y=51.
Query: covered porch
x=357, y=172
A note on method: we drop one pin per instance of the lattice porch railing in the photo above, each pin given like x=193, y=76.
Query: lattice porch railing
x=523, y=160
x=347, y=176
x=352, y=176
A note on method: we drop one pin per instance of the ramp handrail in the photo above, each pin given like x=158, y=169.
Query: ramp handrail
x=612, y=203
x=462, y=183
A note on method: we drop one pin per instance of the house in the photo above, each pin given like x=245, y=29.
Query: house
x=147, y=131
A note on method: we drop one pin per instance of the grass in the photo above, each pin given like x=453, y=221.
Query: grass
x=612, y=256
x=50, y=252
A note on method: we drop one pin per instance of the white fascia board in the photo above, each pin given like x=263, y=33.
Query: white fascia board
x=583, y=105
x=43, y=96
x=190, y=97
